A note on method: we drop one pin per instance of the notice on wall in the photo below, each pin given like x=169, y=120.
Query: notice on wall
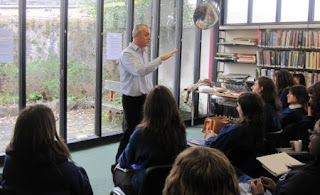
x=114, y=46
x=6, y=45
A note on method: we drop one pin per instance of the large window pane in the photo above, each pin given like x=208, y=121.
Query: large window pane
x=237, y=11
x=81, y=69
x=294, y=11
x=115, y=33
x=8, y=70
x=316, y=11
x=187, y=55
x=205, y=64
x=264, y=11
x=42, y=53
x=167, y=42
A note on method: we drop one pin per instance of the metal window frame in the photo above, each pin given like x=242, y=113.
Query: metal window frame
x=22, y=54
x=178, y=45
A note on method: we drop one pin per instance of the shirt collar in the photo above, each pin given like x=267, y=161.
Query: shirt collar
x=135, y=47
x=294, y=106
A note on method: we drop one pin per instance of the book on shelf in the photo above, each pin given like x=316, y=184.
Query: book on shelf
x=246, y=57
x=309, y=39
x=245, y=41
x=278, y=164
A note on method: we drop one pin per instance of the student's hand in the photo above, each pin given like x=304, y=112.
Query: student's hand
x=268, y=183
x=168, y=55
x=209, y=134
x=256, y=187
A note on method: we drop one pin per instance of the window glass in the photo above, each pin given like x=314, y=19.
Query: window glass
x=294, y=11
x=264, y=11
x=81, y=69
x=316, y=11
x=8, y=70
x=187, y=55
x=42, y=53
x=205, y=64
x=167, y=42
x=237, y=11
x=114, y=39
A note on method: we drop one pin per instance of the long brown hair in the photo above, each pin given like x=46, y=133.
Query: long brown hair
x=162, y=121
x=252, y=107
x=269, y=93
x=35, y=134
x=314, y=91
x=284, y=80
x=202, y=170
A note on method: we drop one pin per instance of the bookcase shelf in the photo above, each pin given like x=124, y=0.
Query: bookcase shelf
x=235, y=44
x=288, y=49
x=289, y=68
x=293, y=47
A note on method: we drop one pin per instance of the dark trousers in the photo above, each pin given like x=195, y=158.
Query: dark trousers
x=132, y=116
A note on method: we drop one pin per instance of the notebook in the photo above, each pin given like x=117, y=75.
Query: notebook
x=195, y=142
x=278, y=164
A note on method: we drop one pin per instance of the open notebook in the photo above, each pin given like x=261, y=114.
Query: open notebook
x=278, y=164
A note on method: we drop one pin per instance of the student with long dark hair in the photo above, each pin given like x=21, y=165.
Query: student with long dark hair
x=314, y=101
x=240, y=141
x=265, y=87
x=284, y=80
x=38, y=161
x=159, y=138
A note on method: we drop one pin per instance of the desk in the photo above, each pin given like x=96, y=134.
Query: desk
x=226, y=99
x=291, y=151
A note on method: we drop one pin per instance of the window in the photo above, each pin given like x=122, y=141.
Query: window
x=294, y=11
x=8, y=70
x=316, y=11
x=167, y=42
x=264, y=11
x=81, y=71
x=237, y=11
x=115, y=16
x=187, y=53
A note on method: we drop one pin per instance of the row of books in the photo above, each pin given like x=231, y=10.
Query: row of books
x=289, y=59
x=309, y=39
x=236, y=57
x=310, y=77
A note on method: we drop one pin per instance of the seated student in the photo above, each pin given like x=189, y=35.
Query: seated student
x=298, y=99
x=239, y=141
x=38, y=161
x=299, y=79
x=299, y=180
x=314, y=101
x=201, y=170
x=159, y=138
x=265, y=87
x=283, y=79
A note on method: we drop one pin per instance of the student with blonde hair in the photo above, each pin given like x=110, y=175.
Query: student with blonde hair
x=201, y=170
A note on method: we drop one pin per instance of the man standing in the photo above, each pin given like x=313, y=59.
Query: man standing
x=136, y=80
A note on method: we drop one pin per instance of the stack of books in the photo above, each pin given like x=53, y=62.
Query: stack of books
x=245, y=41
x=246, y=58
x=230, y=57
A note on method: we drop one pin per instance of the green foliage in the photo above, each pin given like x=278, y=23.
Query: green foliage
x=8, y=99
x=72, y=98
x=35, y=96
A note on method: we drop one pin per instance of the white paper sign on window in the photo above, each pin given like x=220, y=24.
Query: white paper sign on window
x=6, y=45
x=114, y=46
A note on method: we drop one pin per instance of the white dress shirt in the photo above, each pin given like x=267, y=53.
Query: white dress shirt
x=136, y=71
